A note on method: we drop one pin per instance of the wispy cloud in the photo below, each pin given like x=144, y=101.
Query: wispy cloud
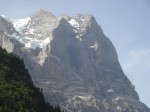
x=137, y=66
x=138, y=60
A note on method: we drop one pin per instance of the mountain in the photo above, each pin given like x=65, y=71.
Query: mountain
x=17, y=92
x=72, y=60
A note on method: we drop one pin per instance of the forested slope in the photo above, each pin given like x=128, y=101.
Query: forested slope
x=17, y=92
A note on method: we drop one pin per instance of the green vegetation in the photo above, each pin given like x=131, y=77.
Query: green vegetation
x=17, y=92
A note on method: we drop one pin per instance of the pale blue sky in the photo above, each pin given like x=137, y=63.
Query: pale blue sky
x=125, y=22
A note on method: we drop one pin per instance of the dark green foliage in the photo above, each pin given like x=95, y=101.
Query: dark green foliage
x=17, y=92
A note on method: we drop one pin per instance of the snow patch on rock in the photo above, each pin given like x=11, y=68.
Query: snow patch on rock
x=74, y=23
x=110, y=90
x=32, y=43
x=94, y=46
x=7, y=18
x=117, y=99
x=19, y=24
x=118, y=108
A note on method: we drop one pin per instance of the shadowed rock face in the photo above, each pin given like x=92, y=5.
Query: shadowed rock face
x=76, y=64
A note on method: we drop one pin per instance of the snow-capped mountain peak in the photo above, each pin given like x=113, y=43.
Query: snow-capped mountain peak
x=75, y=64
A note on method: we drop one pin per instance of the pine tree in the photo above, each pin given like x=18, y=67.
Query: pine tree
x=17, y=92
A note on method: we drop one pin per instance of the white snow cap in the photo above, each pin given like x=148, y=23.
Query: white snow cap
x=20, y=24
x=31, y=42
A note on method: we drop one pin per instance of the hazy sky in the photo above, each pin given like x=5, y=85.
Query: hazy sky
x=125, y=22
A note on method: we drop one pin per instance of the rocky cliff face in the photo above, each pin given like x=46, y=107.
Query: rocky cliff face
x=72, y=60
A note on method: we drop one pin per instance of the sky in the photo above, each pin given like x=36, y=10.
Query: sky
x=125, y=22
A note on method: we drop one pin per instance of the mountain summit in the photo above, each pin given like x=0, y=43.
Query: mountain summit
x=72, y=60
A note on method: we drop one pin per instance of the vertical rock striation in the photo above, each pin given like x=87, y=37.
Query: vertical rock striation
x=73, y=61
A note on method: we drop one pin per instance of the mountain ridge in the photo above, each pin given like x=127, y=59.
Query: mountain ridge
x=78, y=65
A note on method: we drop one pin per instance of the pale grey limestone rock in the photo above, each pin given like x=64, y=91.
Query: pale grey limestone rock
x=78, y=69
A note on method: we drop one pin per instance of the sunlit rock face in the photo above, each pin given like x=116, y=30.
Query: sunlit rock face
x=72, y=60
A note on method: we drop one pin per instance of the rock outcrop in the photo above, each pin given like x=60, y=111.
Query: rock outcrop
x=73, y=61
